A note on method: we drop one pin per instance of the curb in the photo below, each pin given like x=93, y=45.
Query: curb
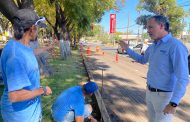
x=101, y=105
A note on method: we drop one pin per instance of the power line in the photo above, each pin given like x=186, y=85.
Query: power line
x=126, y=27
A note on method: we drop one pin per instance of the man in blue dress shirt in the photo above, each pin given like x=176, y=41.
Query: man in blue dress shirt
x=167, y=76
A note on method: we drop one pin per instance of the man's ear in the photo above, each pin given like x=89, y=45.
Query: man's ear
x=30, y=30
x=33, y=28
x=162, y=26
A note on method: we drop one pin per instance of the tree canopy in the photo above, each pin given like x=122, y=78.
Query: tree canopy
x=66, y=17
x=73, y=17
x=168, y=8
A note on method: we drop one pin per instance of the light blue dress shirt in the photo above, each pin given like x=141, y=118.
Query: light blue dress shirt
x=168, y=65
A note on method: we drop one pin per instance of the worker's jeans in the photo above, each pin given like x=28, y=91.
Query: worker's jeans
x=156, y=102
x=70, y=116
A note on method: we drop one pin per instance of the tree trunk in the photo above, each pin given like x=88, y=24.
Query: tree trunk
x=75, y=40
x=8, y=8
x=27, y=4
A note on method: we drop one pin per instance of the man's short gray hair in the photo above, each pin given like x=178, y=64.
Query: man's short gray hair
x=162, y=19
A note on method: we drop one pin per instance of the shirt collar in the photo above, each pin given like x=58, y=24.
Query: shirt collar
x=164, y=39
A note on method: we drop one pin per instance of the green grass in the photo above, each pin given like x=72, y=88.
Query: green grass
x=67, y=73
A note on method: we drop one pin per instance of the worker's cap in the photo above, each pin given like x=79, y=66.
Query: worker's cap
x=28, y=17
x=90, y=87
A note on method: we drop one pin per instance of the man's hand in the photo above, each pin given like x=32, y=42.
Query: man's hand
x=124, y=45
x=47, y=91
x=79, y=119
x=52, y=45
x=91, y=118
x=55, y=41
x=169, y=109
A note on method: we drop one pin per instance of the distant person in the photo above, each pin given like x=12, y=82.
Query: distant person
x=144, y=47
x=167, y=76
x=42, y=54
x=70, y=105
x=34, y=44
x=20, y=101
x=189, y=63
x=1, y=78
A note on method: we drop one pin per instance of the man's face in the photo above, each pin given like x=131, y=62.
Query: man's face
x=154, y=29
x=34, y=32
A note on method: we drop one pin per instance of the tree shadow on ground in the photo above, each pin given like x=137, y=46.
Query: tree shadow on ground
x=122, y=96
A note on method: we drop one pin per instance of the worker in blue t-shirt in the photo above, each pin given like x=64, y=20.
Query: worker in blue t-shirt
x=20, y=101
x=70, y=104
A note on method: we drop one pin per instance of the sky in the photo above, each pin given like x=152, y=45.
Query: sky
x=129, y=11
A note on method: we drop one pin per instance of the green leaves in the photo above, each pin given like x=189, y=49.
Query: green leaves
x=167, y=8
x=73, y=16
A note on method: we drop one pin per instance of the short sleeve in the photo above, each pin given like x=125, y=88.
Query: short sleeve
x=16, y=74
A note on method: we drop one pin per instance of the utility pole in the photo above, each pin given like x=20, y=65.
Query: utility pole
x=142, y=38
x=189, y=28
x=182, y=31
x=138, y=28
x=138, y=34
x=128, y=27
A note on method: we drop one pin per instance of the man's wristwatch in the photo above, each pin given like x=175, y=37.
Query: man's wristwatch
x=44, y=89
x=173, y=104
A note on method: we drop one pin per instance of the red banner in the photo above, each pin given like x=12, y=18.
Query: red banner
x=112, y=23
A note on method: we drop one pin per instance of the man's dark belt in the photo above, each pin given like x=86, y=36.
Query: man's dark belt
x=155, y=90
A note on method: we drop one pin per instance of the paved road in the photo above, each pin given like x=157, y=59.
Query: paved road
x=124, y=84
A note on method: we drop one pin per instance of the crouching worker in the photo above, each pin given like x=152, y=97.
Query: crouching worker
x=70, y=105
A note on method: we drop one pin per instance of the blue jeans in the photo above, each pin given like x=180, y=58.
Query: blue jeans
x=70, y=116
x=156, y=102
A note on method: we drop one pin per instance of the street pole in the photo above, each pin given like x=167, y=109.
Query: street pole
x=138, y=28
x=182, y=31
x=128, y=27
x=102, y=89
x=142, y=38
x=138, y=34
x=189, y=28
x=113, y=39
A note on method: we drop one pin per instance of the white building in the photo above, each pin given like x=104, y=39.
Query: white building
x=131, y=37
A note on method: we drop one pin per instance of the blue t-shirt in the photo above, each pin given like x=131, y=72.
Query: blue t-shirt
x=19, y=71
x=71, y=99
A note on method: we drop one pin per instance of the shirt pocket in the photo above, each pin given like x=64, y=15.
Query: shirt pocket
x=164, y=58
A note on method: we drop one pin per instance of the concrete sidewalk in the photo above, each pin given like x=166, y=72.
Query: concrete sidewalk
x=123, y=92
